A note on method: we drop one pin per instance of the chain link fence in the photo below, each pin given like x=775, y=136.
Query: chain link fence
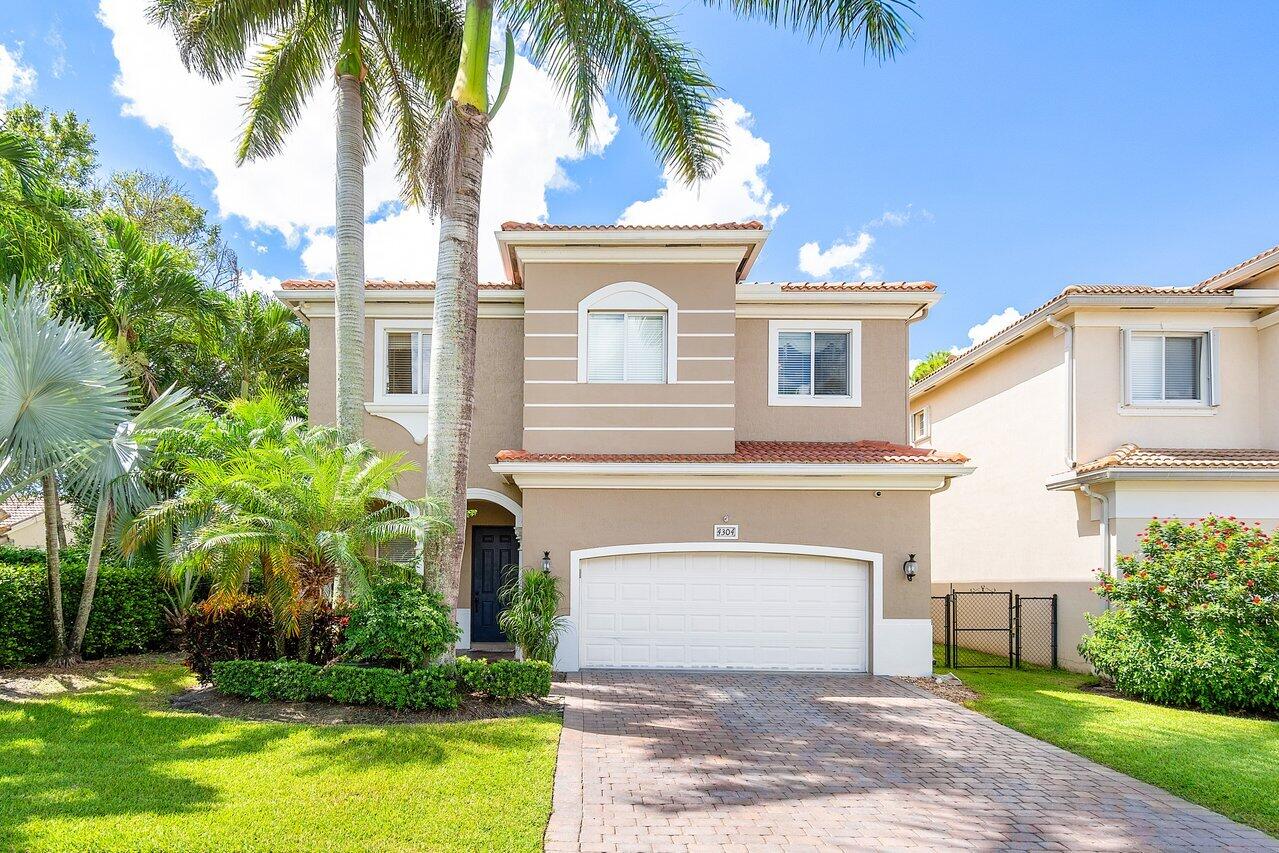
x=994, y=628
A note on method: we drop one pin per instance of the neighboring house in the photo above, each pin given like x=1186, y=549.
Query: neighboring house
x=1104, y=407
x=717, y=471
x=22, y=521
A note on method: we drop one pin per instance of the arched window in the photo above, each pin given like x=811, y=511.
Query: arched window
x=626, y=332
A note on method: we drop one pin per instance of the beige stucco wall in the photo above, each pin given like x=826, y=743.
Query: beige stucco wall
x=30, y=533
x=1000, y=524
x=895, y=524
x=1099, y=382
x=552, y=294
x=1268, y=381
x=499, y=391
x=880, y=416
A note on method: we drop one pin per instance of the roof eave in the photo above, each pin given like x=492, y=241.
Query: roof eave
x=1249, y=270
x=1069, y=480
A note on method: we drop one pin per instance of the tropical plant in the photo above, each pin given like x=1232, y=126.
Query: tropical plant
x=932, y=363
x=144, y=293
x=398, y=624
x=589, y=47
x=264, y=347
x=110, y=472
x=390, y=58
x=60, y=390
x=1194, y=619
x=532, y=598
x=40, y=232
x=306, y=513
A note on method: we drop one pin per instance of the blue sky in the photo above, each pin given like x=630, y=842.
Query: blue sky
x=1013, y=149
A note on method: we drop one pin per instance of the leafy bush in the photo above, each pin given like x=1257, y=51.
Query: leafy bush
x=227, y=629
x=13, y=555
x=127, y=615
x=532, y=599
x=1194, y=620
x=429, y=687
x=241, y=628
x=398, y=624
x=505, y=679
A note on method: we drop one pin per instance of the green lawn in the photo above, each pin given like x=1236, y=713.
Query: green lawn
x=112, y=769
x=1228, y=764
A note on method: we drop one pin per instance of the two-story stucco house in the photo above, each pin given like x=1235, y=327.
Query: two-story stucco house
x=1106, y=406
x=717, y=471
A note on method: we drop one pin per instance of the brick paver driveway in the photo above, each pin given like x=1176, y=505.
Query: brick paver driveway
x=757, y=762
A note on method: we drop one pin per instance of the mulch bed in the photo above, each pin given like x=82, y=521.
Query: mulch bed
x=205, y=699
x=42, y=681
x=951, y=692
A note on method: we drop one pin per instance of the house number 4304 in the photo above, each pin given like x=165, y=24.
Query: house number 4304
x=726, y=531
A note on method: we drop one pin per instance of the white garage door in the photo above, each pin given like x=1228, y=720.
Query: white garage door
x=723, y=611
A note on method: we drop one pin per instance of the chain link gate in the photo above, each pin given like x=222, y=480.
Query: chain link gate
x=993, y=628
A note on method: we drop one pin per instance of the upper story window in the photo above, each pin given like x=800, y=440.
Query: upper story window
x=626, y=332
x=920, y=428
x=814, y=363
x=402, y=361
x=626, y=346
x=1169, y=368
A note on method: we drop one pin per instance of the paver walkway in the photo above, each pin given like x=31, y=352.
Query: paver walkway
x=720, y=761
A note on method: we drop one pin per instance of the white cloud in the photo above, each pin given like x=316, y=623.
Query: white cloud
x=54, y=40
x=898, y=218
x=738, y=191
x=293, y=192
x=994, y=323
x=16, y=80
x=842, y=254
x=252, y=281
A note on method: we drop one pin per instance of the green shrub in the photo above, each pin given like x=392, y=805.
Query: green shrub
x=399, y=625
x=1194, y=620
x=293, y=681
x=532, y=599
x=266, y=681
x=127, y=615
x=13, y=555
x=505, y=679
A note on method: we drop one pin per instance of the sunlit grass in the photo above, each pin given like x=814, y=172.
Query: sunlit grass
x=112, y=768
x=1228, y=764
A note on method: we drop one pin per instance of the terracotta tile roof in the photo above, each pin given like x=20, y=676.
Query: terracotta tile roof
x=1272, y=252
x=1131, y=456
x=18, y=509
x=380, y=284
x=844, y=286
x=1077, y=290
x=854, y=452
x=752, y=225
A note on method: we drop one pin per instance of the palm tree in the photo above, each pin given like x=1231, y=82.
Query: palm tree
x=589, y=47
x=39, y=226
x=109, y=472
x=143, y=296
x=263, y=347
x=388, y=56
x=306, y=512
x=60, y=390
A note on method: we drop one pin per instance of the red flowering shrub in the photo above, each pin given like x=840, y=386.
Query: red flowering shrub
x=1194, y=619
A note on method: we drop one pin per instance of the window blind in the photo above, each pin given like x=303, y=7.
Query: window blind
x=408, y=362
x=794, y=362
x=645, y=348
x=830, y=363
x=626, y=347
x=606, y=352
x=1145, y=367
x=1182, y=359
x=1163, y=368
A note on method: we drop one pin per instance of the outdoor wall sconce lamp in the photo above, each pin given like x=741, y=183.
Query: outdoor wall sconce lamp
x=546, y=562
x=911, y=568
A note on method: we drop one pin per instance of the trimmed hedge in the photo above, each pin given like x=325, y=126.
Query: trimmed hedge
x=127, y=616
x=436, y=686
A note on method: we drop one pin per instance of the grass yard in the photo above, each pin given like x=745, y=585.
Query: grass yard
x=1228, y=764
x=112, y=768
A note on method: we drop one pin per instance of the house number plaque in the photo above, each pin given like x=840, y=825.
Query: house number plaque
x=726, y=531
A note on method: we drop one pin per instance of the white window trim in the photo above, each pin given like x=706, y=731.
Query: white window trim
x=854, y=330
x=380, y=330
x=624, y=297
x=927, y=432
x=1209, y=373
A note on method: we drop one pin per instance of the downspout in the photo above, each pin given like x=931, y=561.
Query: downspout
x=1103, y=503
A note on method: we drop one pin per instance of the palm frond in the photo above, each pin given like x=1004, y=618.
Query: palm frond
x=879, y=24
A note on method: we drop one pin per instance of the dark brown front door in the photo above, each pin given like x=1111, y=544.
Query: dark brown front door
x=494, y=551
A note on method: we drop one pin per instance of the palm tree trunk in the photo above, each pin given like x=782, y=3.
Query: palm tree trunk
x=76, y=642
x=452, y=383
x=52, y=534
x=350, y=260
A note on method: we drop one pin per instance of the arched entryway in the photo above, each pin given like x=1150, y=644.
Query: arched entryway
x=491, y=554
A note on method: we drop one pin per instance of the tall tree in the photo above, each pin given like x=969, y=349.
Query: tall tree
x=589, y=47
x=142, y=295
x=263, y=347
x=388, y=57
x=60, y=390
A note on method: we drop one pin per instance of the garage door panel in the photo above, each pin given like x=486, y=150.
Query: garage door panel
x=724, y=610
